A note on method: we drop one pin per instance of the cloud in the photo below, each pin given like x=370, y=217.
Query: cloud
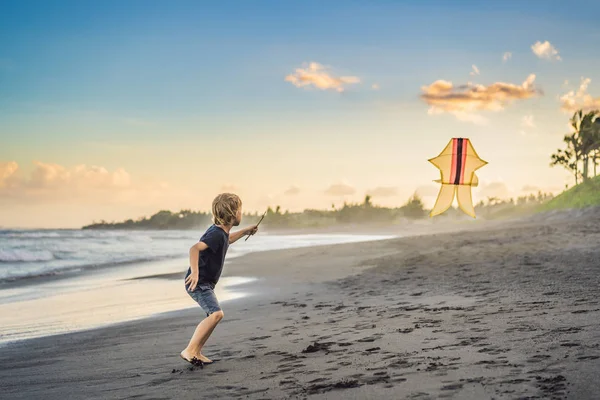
x=7, y=172
x=340, y=189
x=527, y=122
x=464, y=100
x=229, y=188
x=545, y=51
x=50, y=181
x=46, y=175
x=494, y=189
x=428, y=190
x=383, y=191
x=506, y=56
x=292, y=191
x=580, y=99
x=375, y=86
x=475, y=70
x=530, y=188
x=69, y=196
x=317, y=75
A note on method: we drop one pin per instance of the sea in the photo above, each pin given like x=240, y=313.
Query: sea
x=61, y=281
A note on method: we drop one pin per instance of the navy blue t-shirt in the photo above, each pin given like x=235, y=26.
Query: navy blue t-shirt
x=211, y=260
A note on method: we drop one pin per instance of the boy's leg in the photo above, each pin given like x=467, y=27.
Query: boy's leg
x=201, y=335
x=215, y=317
x=208, y=301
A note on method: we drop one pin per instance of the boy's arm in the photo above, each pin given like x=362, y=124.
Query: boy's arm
x=235, y=236
x=195, y=250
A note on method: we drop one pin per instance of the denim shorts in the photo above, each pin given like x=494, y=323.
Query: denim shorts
x=205, y=296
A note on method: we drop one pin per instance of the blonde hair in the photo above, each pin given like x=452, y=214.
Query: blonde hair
x=225, y=207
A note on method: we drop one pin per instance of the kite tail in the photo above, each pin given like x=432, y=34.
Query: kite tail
x=465, y=201
x=444, y=200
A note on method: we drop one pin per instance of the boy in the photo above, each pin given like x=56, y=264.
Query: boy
x=206, y=264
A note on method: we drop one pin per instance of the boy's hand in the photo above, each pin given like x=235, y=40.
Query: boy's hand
x=252, y=230
x=192, y=280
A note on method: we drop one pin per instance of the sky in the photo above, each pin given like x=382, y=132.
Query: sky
x=117, y=109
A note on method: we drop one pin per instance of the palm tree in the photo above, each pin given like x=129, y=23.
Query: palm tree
x=589, y=132
x=596, y=141
x=587, y=136
x=567, y=158
x=582, y=145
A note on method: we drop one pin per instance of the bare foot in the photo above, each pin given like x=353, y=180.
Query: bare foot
x=189, y=357
x=203, y=358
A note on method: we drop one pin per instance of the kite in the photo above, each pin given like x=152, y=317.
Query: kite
x=457, y=164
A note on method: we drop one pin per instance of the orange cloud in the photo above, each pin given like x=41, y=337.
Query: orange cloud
x=383, y=191
x=528, y=122
x=292, y=191
x=69, y=196
x=340, y=189
x=316, y=74
x=429, y=190
x=89, y=184
x=7, y=172
x=81, y=176
x=494, y=189
x=580, y=99
x=465, y=100
x=530, y=188
x=229, y=188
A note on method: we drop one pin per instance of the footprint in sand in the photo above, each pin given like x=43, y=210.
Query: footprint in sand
x=538, y=358
x=453, y=386
x=288, y=381
x=370, y=339
x=326, y=387
x=570, y=344
x=582, y=358
x=258, y=338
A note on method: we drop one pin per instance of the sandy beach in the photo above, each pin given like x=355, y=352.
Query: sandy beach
x=495, y=311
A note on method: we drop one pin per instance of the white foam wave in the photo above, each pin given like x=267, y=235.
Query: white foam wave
x=19, y=255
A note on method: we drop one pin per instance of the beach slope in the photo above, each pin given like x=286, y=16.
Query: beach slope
x=508, y=312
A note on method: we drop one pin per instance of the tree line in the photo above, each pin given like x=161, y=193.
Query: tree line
x=364, y=212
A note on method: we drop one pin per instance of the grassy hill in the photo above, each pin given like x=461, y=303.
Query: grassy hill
x=583, y=195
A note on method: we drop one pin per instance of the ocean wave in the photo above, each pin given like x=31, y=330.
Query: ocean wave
x=31, y=234
x=18, y=255
x=12, y=275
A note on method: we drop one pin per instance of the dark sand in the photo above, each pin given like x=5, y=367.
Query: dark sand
x=507, y=311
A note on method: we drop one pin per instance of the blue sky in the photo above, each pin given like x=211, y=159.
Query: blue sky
x=158, y=88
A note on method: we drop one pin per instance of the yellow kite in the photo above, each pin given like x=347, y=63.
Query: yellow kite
x=457, y=164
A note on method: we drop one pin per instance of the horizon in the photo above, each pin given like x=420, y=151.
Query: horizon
x=110, y=111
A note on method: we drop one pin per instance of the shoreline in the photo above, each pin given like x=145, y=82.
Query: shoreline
x=92, y=269
x=107, y=325
x=62, y=295
x=507, y=312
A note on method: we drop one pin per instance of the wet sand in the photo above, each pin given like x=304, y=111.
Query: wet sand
x=502, y=311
